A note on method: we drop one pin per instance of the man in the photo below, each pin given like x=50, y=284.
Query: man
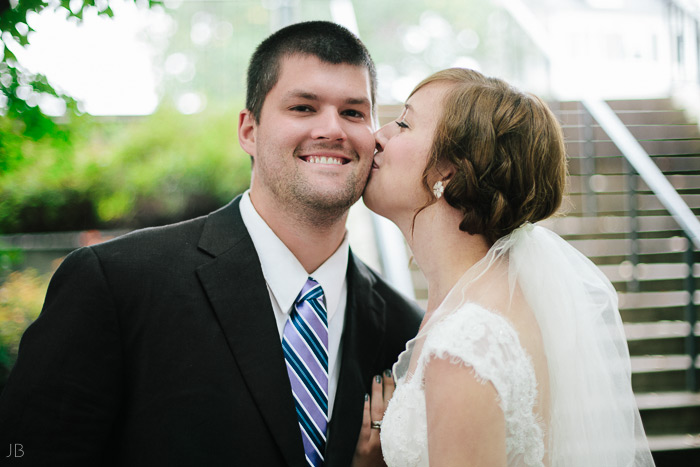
x=188, y=344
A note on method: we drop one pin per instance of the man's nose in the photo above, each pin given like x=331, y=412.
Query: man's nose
x=329, y=126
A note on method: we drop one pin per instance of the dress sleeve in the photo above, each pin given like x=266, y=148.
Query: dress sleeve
x=486, y=342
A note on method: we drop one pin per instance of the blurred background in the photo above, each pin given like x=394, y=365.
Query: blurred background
x=121, y=114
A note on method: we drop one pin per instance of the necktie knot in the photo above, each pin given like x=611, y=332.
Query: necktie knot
x=311, y=290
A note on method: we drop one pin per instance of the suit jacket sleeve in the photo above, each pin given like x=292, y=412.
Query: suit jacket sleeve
x=63, y=395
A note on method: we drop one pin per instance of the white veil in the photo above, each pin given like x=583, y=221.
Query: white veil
x=593, y=417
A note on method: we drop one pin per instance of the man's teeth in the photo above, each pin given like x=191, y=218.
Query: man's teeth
x=324, y=160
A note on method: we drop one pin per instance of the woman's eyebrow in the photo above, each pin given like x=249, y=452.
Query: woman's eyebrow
x=405, y=110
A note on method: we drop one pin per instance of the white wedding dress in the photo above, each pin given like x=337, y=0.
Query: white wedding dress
x=538, y=321
x=486, y=342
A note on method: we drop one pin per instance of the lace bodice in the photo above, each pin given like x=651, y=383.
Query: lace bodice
x=487, y=343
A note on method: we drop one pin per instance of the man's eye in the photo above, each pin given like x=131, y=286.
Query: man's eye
x=353, y=113
x=301, y=108
x=401, y=124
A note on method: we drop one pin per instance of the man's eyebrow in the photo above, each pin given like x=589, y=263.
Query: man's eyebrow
x=310, y=96
x=357, y=101
x=299, y=93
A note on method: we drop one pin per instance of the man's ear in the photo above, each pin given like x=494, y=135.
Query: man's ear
x=247, y=131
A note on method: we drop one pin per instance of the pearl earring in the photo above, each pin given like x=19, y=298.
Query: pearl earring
x=438, y=189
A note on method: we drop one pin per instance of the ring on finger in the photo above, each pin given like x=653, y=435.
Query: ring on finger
x=376, y=425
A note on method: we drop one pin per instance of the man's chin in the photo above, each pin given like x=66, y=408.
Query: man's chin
x=328, y=198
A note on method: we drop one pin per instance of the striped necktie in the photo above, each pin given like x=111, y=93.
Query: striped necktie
x=305, y=345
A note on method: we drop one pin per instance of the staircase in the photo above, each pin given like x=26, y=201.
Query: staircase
x=614, y=219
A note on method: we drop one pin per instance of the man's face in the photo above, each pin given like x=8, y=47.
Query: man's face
x=313, y=146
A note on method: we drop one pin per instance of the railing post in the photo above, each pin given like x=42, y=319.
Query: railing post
x=632, y=209
x=691, y=380
x=590, y=207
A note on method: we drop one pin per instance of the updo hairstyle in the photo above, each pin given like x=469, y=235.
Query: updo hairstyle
x=508, y=151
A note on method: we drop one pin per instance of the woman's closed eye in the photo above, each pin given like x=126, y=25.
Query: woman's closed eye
x=401, y=124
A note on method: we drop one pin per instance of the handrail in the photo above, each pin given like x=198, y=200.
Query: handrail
x=638, y=158
x=645, y=167
x=618, y=132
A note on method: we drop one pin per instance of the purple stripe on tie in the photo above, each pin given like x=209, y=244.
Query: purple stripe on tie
x=301, y=392
x=301, y=348
x=314, y=322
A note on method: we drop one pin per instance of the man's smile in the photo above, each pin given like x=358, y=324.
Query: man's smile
x=334, y=160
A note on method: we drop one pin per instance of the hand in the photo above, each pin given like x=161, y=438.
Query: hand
x=368, y=452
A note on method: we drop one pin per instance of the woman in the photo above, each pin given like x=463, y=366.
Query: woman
x=521, y=359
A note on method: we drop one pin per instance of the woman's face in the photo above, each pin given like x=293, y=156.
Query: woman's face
x=395, y=189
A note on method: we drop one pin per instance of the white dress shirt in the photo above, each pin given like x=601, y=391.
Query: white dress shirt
x=285, y=277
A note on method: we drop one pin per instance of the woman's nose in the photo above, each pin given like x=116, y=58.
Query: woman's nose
x=383, y=135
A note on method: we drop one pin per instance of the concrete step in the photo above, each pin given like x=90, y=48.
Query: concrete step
x=680, y=148
x=659, y=338
x=577, y=133
x=630, y=117
x=582, y=183
x=675, y=450
x=605, y=147
x=614, y=247
x=576, y=225
x=658, y=330
x=641, y=104
x=606, y=202
x=615, y=164
x=669, y=413
x=674, y=442
x=660, y=373
x=667, y=400
x=645, y=315
x=623, y=104
x=660, y=363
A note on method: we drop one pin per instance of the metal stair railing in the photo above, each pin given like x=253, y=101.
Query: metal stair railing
x=638, y=158
x=642, y=163
x=645, y=167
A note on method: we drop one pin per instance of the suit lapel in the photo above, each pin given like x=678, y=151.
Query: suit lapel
x=235, y=285
x=363, y=337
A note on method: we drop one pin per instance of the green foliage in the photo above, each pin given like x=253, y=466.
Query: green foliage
x=15, y=31
x=21, y=298
x=129, y=172
x=9, y=259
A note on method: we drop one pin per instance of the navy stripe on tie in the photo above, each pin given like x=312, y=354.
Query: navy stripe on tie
x=306, y=377
x=322, y=315
x=316, y=347
x=311, y=429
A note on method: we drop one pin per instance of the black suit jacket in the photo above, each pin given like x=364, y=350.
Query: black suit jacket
x=161, y=348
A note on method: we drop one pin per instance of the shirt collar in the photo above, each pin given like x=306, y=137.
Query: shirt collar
x=284, y=274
